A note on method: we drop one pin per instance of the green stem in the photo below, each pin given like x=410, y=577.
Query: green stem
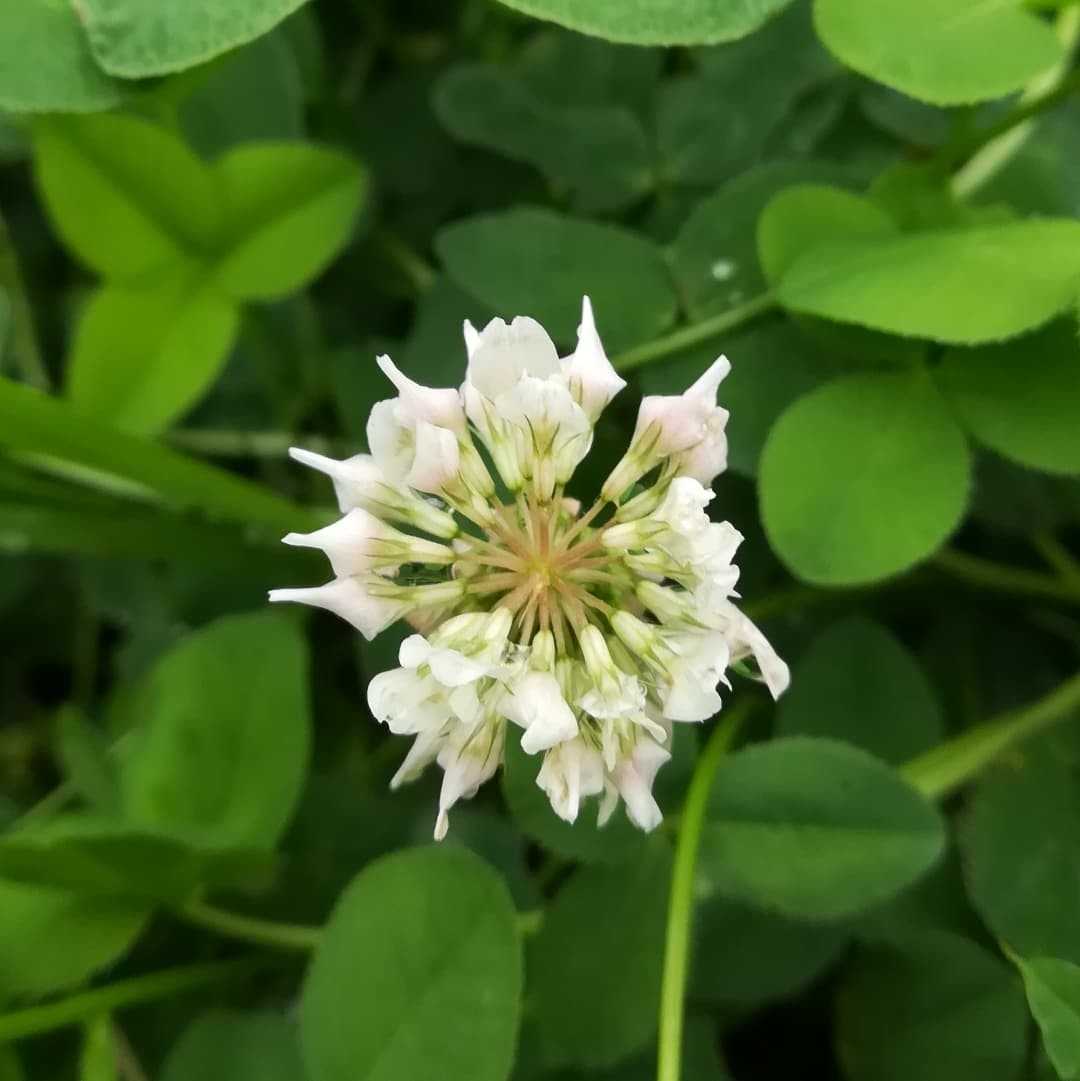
x=281, y=936
x=69, y=1011
x=1057, y=556
x=985, y=572
x=942, y=770
x=1003, y=140
x=417, y=271
x=681, y=901
x=24, y=345
x=693, y=334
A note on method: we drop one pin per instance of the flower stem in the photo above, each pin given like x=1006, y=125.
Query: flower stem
x=681, y=902
x=282, y=936
x=991, y=575
x=69, y=1011
x=693, y=334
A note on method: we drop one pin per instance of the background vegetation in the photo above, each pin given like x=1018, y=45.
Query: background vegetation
x=216, y=213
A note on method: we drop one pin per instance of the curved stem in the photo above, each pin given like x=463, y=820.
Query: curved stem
x=282, y=936
x=681, y=902
x=999, y=576
x=693, y=334
x=113, y=996
x=946, y=767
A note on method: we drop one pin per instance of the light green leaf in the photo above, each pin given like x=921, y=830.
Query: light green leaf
x=537, y=262
x=136, y=38
x=45, y=62
x=1053, y=993
x=599, y=152
x=290, y=209
x=807, y=216
x=595, y=997
x=1021, y=398
x=655, y=22
x=128, y=197
x=37, y=424
x=964, y=286
x=863, y=477
x=142, y=356
x=51, y=939
x=221, y=753
x=226, y=1046
x=617, y=842
x=857, y=683
x=933, y=1006
x=815, y=830
x=1021, y=845
x=946, y=53
x=714, y=256
x=421, y=949
x=97, y=1061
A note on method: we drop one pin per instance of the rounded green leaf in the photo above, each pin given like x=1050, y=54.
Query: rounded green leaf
x=228, y=1046
x=863, y=477
x=126, y=196
x=655, y=22
x=814, y=829
x=806, y=216
x=418, y=975
x=221, y=753
x=594, y=966
x=290, y=209
x=1021, y=846
x=947, y=53
x=143, y=356
x=933, y=1006
x=857, y=683
x=1021, y=398
x=537, y=262
x=964, y=286
x=136, y=38
x=1053, y=993
x=51, y=939
x=45, y=61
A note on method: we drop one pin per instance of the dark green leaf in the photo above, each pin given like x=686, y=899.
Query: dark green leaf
x=1053, y=993
x=257, y=1046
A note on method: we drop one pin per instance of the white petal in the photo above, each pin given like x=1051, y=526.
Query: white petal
x=392, y=442
x=472, y=339
x=592, y=379
x=346, y=542
x=421, y=754
x=405, y=702
x=347, y=598
x=355, y=479
x=634, y=778
x=454, y=669
x=437, y=458
x=774, y=671
x=414, y=651
x=506, y=353
x=536, y=703
x=436, y=405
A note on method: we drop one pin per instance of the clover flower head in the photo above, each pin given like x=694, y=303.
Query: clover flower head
x=586, y=635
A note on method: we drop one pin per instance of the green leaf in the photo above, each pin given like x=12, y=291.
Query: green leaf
x=815, y=830
x=102, y=856
x=84, y=756
x=594, y=996
x=37, y=424
x=807, y=216
x=1021, y=846
x=964, y=286
x=536, y=262
x=143, y=356
x=290, y=209
x=128, y=197
x=746, y=956
x=933, y=1006
x=1021, y=398
x=947, y=54
x=655, y=22
x=227, y=1046
x=97, y=1062
x=599, y=152
x=617, y=842
x=51, y=939
x=45, y=62
x=10, y=1070
x=714, y=256
x=421, y=948
x=863, y=477
x=221, y=753
x=1053, y=993
x=857, y=683
x=136, y=38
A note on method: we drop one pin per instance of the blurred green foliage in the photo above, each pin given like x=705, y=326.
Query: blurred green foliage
x=212, y=216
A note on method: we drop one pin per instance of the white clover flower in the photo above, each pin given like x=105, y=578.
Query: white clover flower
x=584, y=634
